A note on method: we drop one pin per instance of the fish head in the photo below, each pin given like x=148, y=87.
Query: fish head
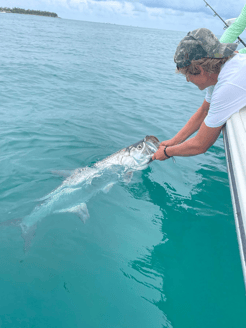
x=139, y=155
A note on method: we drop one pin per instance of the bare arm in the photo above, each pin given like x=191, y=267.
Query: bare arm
x=199, y=144
x=190, y=127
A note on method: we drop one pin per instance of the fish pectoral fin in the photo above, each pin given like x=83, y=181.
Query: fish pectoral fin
x=62, y=173
x=127, y=177
x=81, y=210
x=108, y=187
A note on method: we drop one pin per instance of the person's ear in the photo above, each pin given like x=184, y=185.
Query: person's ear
x=201, y=69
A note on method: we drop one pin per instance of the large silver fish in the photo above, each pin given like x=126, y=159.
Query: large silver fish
x=83, y=183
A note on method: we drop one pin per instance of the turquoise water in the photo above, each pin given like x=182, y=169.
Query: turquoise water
x=158, y=252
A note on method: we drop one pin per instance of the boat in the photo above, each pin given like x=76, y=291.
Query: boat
x=234, y=134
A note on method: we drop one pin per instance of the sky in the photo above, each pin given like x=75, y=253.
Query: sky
x=177, y=15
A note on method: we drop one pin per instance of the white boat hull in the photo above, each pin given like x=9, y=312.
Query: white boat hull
x=235, y=147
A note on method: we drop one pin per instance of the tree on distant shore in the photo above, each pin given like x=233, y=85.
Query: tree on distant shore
x=28, y=12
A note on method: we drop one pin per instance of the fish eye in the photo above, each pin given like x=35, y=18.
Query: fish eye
x=139, y=147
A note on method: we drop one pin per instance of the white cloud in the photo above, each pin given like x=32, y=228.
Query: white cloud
x=166, y=14
x=226, y=9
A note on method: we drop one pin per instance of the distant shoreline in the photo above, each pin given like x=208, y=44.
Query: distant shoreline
x=27, y=12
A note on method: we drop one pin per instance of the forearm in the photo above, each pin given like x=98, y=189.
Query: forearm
x=232, y=32
x=188, y=148
x=199, y=144
x=242, y=51
x=191, y=126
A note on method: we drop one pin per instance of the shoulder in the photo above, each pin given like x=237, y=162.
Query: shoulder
x=235, y=66
x=232, y=73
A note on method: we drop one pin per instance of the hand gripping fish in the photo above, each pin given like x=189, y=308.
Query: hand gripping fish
x=83, y=183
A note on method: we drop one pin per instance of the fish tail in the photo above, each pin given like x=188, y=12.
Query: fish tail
x=27, y=234
x=12, y=223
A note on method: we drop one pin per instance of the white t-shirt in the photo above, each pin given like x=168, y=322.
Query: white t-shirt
x=228, y=95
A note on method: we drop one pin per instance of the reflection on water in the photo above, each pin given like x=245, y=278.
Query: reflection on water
x=197, y=238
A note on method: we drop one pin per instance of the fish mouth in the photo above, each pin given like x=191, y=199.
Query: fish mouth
x=153, y=144
x=152, y=139
x=149, y=140
x=142, y=158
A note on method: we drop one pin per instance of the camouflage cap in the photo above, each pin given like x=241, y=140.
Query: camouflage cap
x=201, y=43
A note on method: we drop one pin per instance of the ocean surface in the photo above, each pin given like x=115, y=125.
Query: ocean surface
x=160, y=251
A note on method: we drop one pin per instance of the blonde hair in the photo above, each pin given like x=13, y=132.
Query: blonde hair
x=210, y=65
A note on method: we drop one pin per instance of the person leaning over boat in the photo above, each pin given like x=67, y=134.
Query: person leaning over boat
x=207, y=63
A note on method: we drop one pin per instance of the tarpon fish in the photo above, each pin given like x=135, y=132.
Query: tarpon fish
x=83, y=183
